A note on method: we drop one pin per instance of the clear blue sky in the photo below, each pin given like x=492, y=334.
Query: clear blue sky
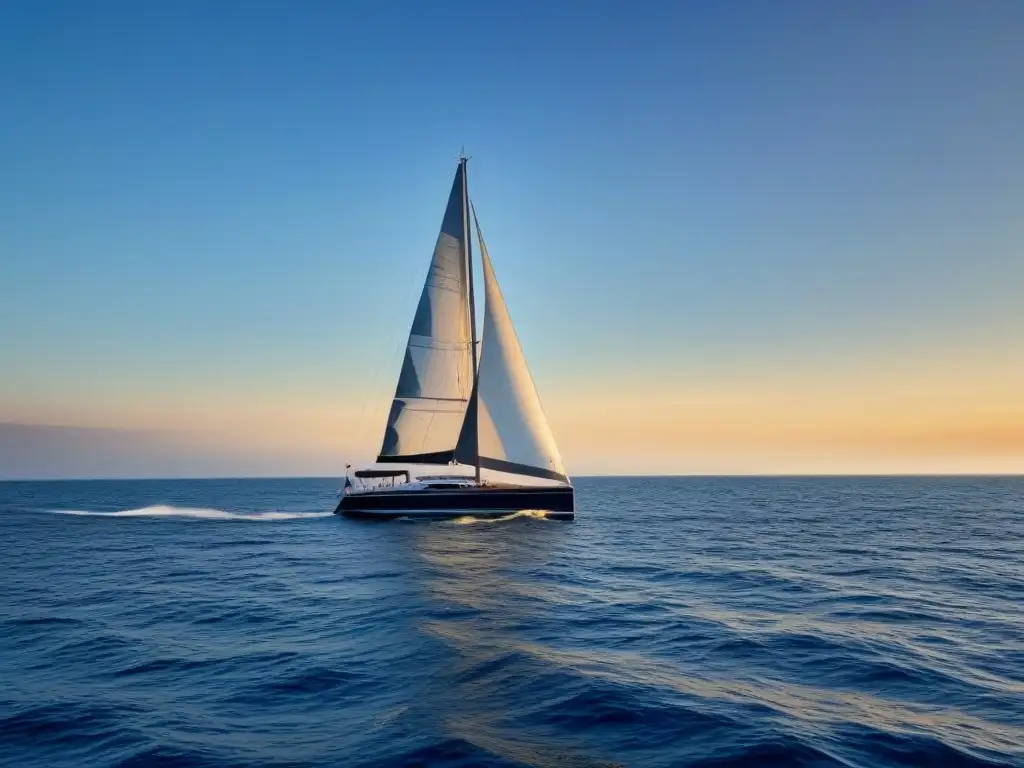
x=220, y=202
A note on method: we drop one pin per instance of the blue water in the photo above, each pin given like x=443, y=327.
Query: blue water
x=687, y=621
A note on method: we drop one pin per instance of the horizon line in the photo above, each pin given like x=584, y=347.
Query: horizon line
x=628, y=476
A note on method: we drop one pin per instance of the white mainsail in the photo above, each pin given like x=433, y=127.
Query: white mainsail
x=436, y=380
x=511, y=431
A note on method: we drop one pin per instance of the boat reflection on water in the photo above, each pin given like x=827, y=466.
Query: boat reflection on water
x=484, y=628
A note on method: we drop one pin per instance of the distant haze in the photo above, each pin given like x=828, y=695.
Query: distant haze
x=734, y=238
x=36, y=452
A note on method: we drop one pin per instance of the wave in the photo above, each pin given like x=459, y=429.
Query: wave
x=198, y=513
x=702, y=622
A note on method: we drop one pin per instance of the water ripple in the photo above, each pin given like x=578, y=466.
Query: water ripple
x=697, y=621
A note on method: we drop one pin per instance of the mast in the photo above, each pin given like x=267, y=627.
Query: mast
x=463, y=160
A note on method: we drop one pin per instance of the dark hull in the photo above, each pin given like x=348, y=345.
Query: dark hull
x=492, y=501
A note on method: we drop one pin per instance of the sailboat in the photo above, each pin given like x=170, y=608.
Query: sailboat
x=460, y=402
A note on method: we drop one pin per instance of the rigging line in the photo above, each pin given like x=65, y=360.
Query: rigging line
x=426, y=432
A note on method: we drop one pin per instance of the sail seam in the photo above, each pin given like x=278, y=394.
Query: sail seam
x=439, y=399
x=455, y=344
x=443, y=288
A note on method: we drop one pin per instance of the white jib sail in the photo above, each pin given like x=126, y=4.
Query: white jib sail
x=512, y=432
x=437, y=373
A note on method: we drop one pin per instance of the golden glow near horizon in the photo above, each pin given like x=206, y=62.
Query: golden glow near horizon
x=930, y=420
x=923, y=419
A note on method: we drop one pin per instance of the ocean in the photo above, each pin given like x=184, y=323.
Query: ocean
x=676, y=622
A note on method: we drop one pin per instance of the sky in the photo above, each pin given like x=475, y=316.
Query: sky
x=734, y=237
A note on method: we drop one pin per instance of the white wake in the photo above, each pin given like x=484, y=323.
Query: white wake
x=162, y=510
